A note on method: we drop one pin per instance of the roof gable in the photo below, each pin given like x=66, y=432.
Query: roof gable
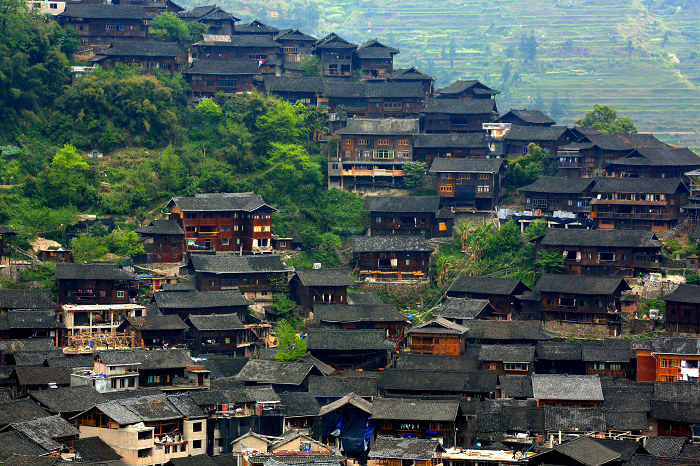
x=529, y=116
x=580, y=284
x=233, y=263
x=325, y=277
x=402, y=204
x=487, y=285
x=362, y=244
x=219, y=202
x=275, y=372
x=439, y=325
x=200, y=299
x=601, y=238
x=559, y=185
x=414, y=410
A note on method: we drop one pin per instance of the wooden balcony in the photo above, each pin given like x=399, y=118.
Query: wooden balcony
x=208, y=233
x=638, y=216
x=375, y=172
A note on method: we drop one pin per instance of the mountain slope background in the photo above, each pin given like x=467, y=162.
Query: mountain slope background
x=642, y=57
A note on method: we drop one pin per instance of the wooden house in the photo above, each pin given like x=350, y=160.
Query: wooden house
x=207, y=77
x=583, y=300
x=100, y=25
x=458, y=115
x=55, y=254
x=372, y=153
x=507, y=359
x=683, y=309
x=336, y=55
x=154, y=7
x=526, y=117
x=549, y=138
x=296, y=47
x=413, y=74
x=163, y=241
x=408, y=215
x=93, y=284
x=320, y=286
x=415, y=418
x=255, y=27
x=610, y=358
x=638, y=203
x=155, y=331
x=583, y=391
x=281, y=375
x=462, y=310
x=507, y=332
x=668, y=162
x=427, y=147
x=390, y=451
x=237, y=222
x=363, y=316
x=500, y=292
x=669, y=359
x=350, y=406
x=559, y=357
x=26, y=300
x=438, y=336
x=186, y=303
x=436, y=380
x=253, y=276
x=148, y=55
x=374, y=60
x=6, y=245
x=171, y=369
x=31, y=324
x=217, y=20
x=585, y=451
x=470, y=89
x=294, y=89
x=604, y=252
x=474, y=183
x=224, y=334
x=548, y=194
x=342, y=349
x=385, y=258
x=375, y=100
x=53, y=434
x=257, y=49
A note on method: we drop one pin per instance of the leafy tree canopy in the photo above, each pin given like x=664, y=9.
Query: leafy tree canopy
x=526, y=169
x=604, y=118
x=413, y=174
x=550, y=262
x=291, y=347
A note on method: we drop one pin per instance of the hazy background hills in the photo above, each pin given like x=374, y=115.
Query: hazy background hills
x=640, y=56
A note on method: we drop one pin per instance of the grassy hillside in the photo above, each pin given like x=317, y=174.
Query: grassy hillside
x=639, y=56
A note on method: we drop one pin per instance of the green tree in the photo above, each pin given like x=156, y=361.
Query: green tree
x=312, y=67
x=535, y=229
x=291, y=347
x=208, y=108
x=528, y=47
x=167, y=27
x=67, y=171
x=282, y=123
x=282, y=306
x=172, y=170
x=413, y=174
x=124, y=243
x=526, y=169
x=550, y=262
x=88, y=248
x=505, y=240
x=692, y=279
x=604, y=118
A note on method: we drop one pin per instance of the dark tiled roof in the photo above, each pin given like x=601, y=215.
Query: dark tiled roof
x=127, y=411
x=375, y=49
x=299, y=404
x=530, y=116
x=45, y=430
x=626, y=420
x=277, y=372
x=436, y=362
x=324, y=368
x=325, y=277
x=685, y=294
x=68, y=271
x=239, y=41
x=419, y=380
x=664, y=447
x=626, y=448
x=97, y=11
x=216, y=322
x=267, y=263
x=358, y=313
x=29, y=320
x=369, y=298
x=119, y=357
x=341, y=386
x=462, y=308
x=507, y=330
x=255, y=394
x=558, y=185
x=164, y=359
x=405, y=448
x=228, y=68
x=559, y=351
x=515, y=386
x=467, y=165
x=73, y=361
x=255, y=26
x=460, y=86
x=346, y=340
x=454, y=140
x=37, y=358
x=301, y=460
x=187, y=406
x=200, y=299
x=675, y=345
x=411, y=74
x=26, y=299
x=206, y=12
x=507, y=353
x=460, y=106
x=292, y=84
x=219, y=202
x=43, y=375
x=567, y=387
x=632, y=398
x=167, y=322
x=665, y=157
x=414, y=410
x=334, y=41
x=674, y=391
x=606, y=238
x=602, y=352
x=408, y=204
x=535, y=133
x=406, y=89
x=349, y=399
x=295, y=34
x=439, y=325
x=391, y=127
x=587, y=451
x=94, y=449
x=68, y=399
x=13, y=443
x=580, y=285
x=571, y=419
x=676, y=411
x=144, y=49
x=638, y=185
x=608, y=142
x=20, y=410
x=160, y=227
x=487, y=285
x=197, y=460
x=362, y=244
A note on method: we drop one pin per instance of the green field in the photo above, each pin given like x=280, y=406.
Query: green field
x=639, y=56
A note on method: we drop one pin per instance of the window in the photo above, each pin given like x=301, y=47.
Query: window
x=615, y=367
x=120, y=294
x=392, y=105
x=230, y=83
x=378, y=220
x=196, y=444
x=483, y=189
x=257, y=229
x=114, y=27
x=246, y=281
x=516, y=366
x=132, y=382
x=446, y=176
x=225, y=241
x=386, y=424
x=145, y=453
x=228, y=342
x=383, y=142
x=407, y=262
x=403, y=142
x=446, y=189
x=209, y=83
x=491, y=366
x=362, y=142
x=383, y=154
x=290, y=49
x=145, y=434
x=211, y=282
x=598, y=303
x=190, y=229
x=466, y=176
x=153, y=379
x=197, y=426
x=225, y=228
x=483, y=176
x=347, y=142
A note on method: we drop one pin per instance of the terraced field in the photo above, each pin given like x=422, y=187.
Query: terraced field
x=640, y=56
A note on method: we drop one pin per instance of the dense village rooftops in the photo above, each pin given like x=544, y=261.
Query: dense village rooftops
x=26, y=299
x=37, y=358
x=439, y=325
x=460, y=106
x=233, y=263
x=219, y=202
x=143, y=49
x=454, y=140
x=559, y=351
x=349, y=399
x=487, y=285
x=579, y=284
x=664, y=447
x=370, y=298
x=362, y=244
x=567, y=387
x=676, y=345
x=99, y=11
x=293, y=84
x=200, y=299
x=466, y=165
x=210, y=12
x=411, y=74
x=128, y=411
x=392, y=127
x=373, y=90
x=587, y=451
x=435, y=362
x=535, y=133
x=161, y=227
x=530, y=330
x=669, y=156
x=341, y=386
x=295, y=34
x=462, y=308
x=45, y=430
x=606, y=352
x=42, y=375
x=73, y=361
x=414, y=410
x=685, y=294
x=242, y=41
x=20, y=410
x=358, y=313
x=119, y=357
x=15, y=443
x=601, y=238
x=405, y=448
x=638, y=185
x=164, y=359
x=325, y=277
x=515, y=386
x=475, y=85
x=68, y=399
x=530, y=116
x=559, y=185
x=424, y=380
x=274, y=372
x=334, y=41
x=27, y=344
x=167, y=322
x=216, y=322
x=507, y=353
x=94, y=449
x=227, y=68
x=347, y=340
x=299, y=404
x=38, y=319
x=68, y=271
x=402, y=204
